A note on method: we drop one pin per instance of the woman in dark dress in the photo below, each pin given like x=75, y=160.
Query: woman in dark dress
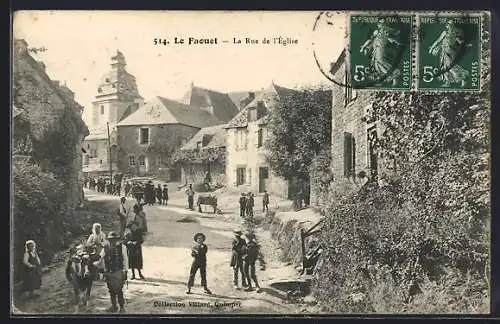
x=32, y=269
x=134, y=239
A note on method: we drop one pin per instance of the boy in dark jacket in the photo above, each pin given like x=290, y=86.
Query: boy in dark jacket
x=237, y=259
x=199, y=254
x=252, y=253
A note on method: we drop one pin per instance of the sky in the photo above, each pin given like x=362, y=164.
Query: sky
x=80, y=44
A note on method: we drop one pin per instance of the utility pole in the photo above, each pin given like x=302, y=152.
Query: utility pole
x=110, y=163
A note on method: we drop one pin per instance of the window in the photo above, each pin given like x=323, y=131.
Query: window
x=241, y=139
x=131, y=160
x=159, y=160
x=372, y=153
x=349, y=155
x=240, y=176
x=93, y=153
x=85, y=159
x=107, y=80
x=198, y=145
x=100, y=161
x=113, y=85
x=142, y=160
x=249, y=176
x=102, y=110
x=260, y=137
x=88, y=146
x=99, y=90
x=144, y=136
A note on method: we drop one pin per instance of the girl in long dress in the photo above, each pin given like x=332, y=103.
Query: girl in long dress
x=133, y=240
x=32, y=278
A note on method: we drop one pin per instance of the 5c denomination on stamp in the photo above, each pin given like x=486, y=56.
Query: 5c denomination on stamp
x=449, y=52
x=380, y=50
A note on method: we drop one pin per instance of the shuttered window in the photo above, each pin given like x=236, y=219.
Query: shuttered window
x=349, y=155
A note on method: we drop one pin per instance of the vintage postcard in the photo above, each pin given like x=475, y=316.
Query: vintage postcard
x=244, y=162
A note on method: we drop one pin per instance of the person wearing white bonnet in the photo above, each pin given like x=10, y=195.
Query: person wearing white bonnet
x=97, y=238
x=32, y=270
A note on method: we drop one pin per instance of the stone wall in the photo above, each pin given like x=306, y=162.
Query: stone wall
x=164, y=140
x=195, y=173
x=52, y=114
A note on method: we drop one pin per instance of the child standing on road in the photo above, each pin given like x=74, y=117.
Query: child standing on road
x=199, y=254
x=252, y=253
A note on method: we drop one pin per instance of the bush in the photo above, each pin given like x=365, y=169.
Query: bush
x=39, y=210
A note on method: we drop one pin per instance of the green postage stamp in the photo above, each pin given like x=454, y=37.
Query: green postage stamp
x=424, y=51
x=449, y=52
x=380, y=51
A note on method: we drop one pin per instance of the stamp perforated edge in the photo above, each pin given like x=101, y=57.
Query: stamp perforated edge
x=473, y=13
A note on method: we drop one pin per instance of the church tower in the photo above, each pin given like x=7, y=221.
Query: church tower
x=117, y=95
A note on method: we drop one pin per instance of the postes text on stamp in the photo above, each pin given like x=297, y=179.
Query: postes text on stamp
x=380, y=47
x=449, y=52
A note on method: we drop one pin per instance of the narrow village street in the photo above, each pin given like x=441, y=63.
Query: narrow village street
x=167, y=259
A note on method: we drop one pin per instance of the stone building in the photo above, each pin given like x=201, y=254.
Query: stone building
x=246, y=165
x=148, y=137
x=204, y=154
x=117, y=97
x=354, y=134
x=53, y=121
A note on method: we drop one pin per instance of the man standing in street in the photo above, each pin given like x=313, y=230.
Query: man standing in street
x=243, y=205
x=250, y=204
x=165, y=194
x=265, y=202
x=190, y=194
x=115, y=263
x=122, y=214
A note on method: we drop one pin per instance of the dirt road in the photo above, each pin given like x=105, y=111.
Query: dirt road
x=167, y=259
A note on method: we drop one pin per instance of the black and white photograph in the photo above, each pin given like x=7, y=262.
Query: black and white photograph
x=250, y=162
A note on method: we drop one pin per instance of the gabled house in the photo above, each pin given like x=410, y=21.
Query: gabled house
x=216, y=103
x=148, y=137
x=246, y=165
x=47, y=122
x=203, y=157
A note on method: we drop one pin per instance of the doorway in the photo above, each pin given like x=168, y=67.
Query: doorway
x=263, y=176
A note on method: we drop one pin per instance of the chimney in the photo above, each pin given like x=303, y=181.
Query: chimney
x=42, y=65
x=251, y=95
x=56, y=83
x=21, y=46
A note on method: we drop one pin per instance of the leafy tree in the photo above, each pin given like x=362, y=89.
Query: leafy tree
x=299, y=129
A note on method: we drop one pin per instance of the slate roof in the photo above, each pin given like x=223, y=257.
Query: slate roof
x=218, y=139
x=223, y=107
x=267, y=96
x=334, y=67
x=160, y=110
x=241, y=98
